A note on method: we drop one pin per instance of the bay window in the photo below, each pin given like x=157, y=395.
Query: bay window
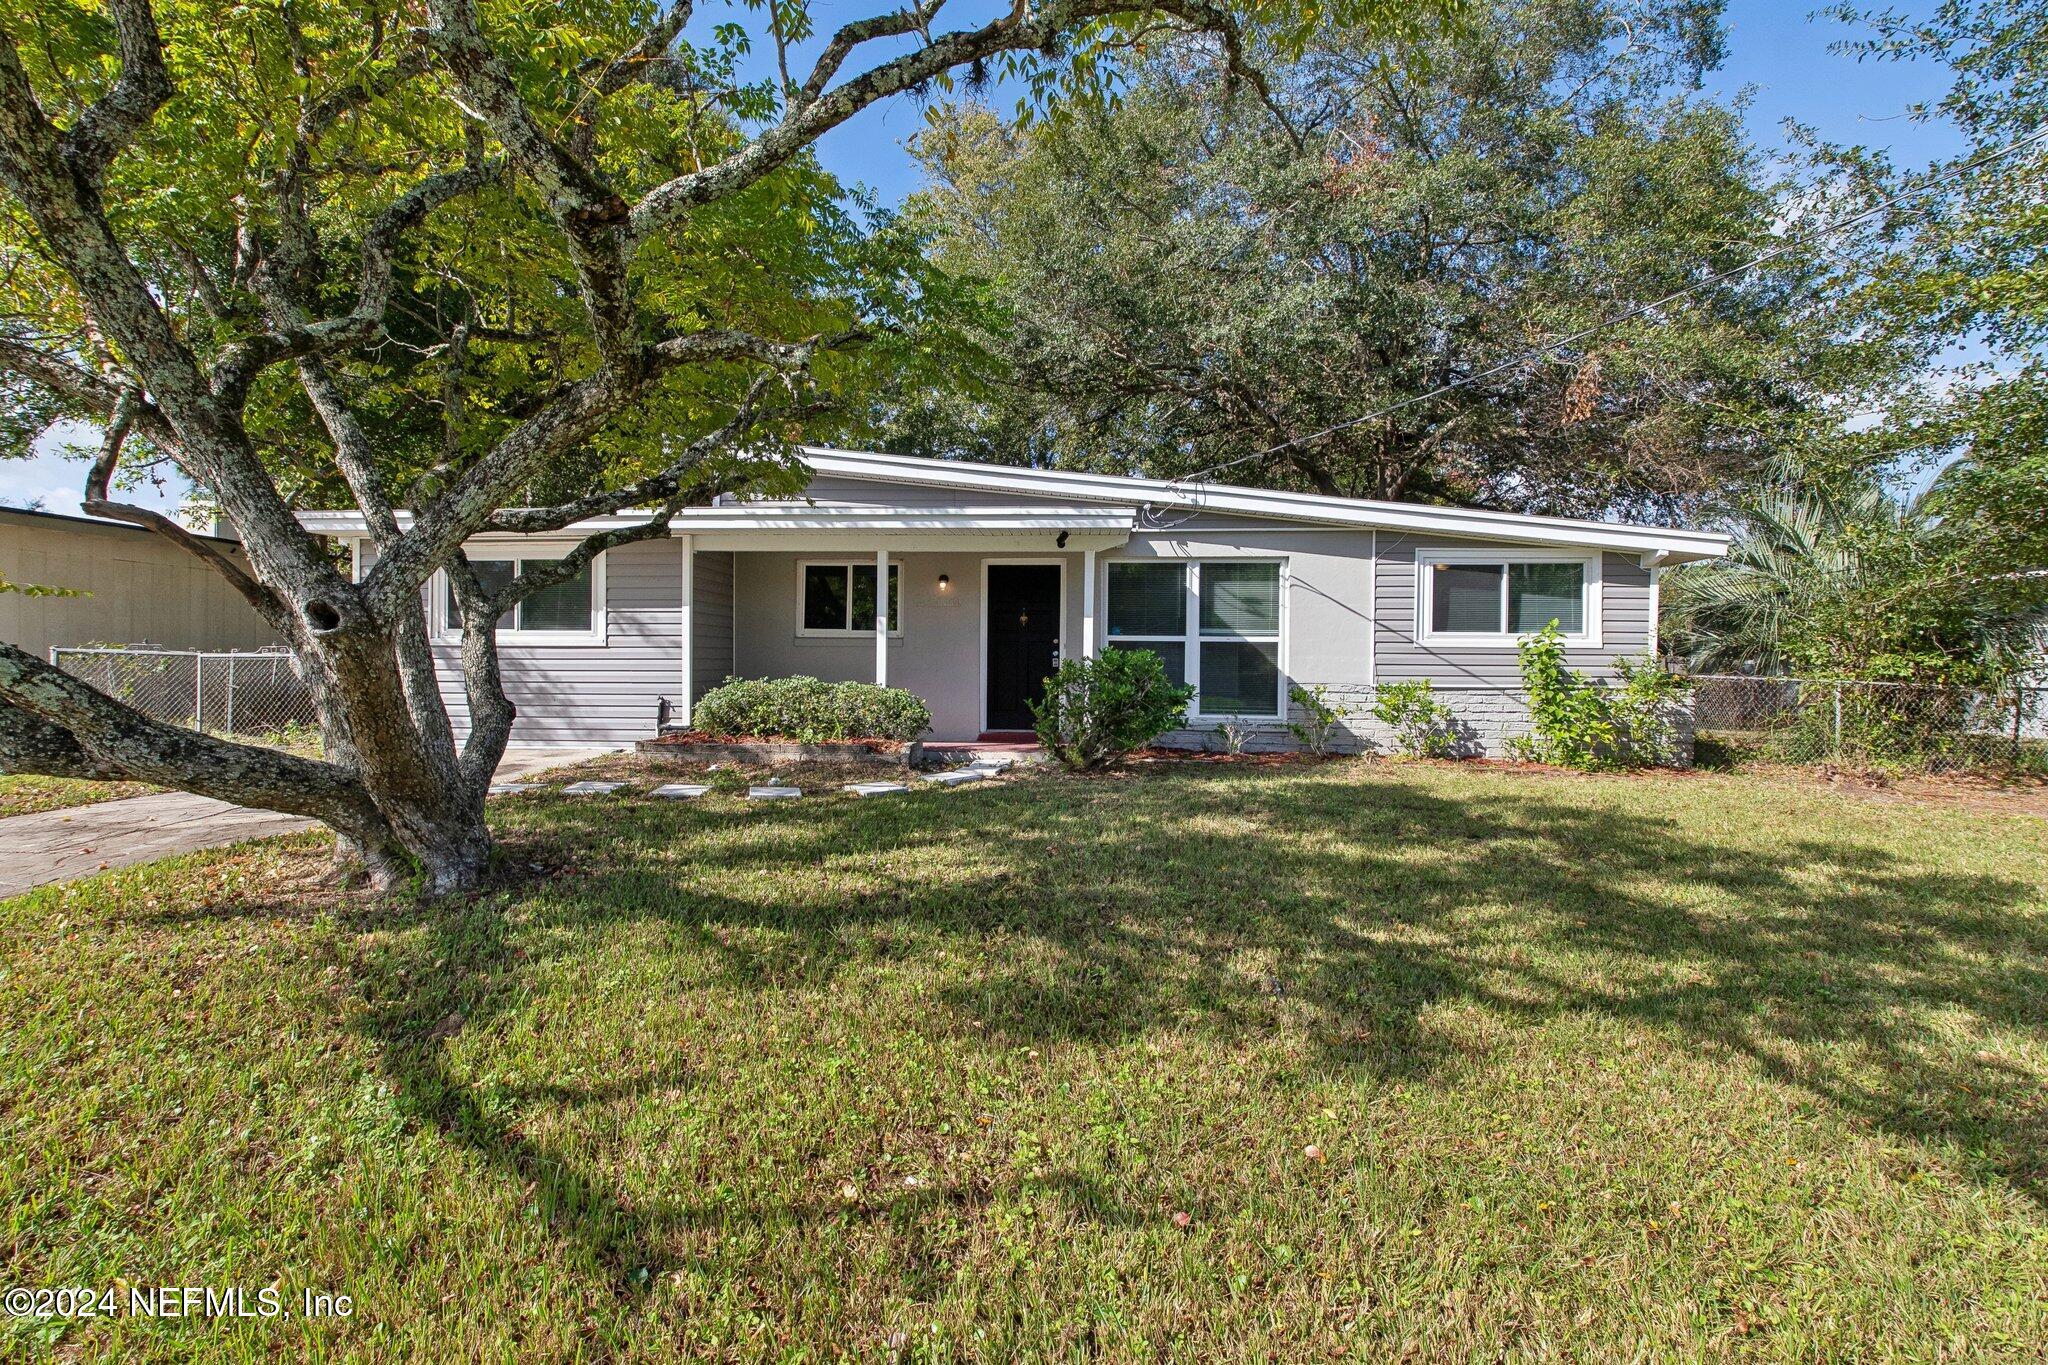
x=1214, y=623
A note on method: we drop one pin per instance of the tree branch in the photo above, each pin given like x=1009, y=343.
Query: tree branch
x=579, y=411
x=491, y=712
x=588, y=210
x=113, y=120
x=551, y=572
x=95, y=503
x=61, y=376
x=623, y=70
x=243, y=361
x=118, y=738
x=655, y=488
x=820, y=112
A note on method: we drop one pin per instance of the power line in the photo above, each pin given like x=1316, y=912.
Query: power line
x=1627, y=315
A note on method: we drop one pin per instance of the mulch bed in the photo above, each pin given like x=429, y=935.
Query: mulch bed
x=693, y=746
x=687, y=737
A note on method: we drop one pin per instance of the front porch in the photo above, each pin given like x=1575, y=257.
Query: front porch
x=981, y=605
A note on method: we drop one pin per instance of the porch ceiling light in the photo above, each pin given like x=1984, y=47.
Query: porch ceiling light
x=945, y=582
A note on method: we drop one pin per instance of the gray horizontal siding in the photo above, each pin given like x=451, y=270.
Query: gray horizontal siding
x=594, y=694
x=711, y=661
x=1400, y=655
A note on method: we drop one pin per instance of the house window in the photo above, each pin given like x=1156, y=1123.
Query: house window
x=839, y=598
x=1148, y=609
x=1471, y=597
x=1214, y=623
x=570, y=611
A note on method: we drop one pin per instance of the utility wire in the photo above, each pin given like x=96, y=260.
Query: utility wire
x=1627, y=315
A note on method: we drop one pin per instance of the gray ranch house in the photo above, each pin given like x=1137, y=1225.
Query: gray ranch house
x=994, y=573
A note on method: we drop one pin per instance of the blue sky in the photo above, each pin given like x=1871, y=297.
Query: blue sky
x=1778, y=53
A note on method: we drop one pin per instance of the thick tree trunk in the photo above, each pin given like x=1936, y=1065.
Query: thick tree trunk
x=393, y=801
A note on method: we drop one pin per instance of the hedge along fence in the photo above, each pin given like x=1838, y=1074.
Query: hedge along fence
x=810, y=711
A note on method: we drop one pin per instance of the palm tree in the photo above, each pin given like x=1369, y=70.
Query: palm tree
x=1855, y=582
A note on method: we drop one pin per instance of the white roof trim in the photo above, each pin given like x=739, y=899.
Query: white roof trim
x=799, y=517
x=1113, y=508
x=1422, y=518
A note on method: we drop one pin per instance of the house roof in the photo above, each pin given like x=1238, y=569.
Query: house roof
x=1667, y=544
x=37, y=514
x=1110, y=506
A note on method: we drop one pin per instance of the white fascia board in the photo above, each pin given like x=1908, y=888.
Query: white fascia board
x=1677, y=546
x=785, y=517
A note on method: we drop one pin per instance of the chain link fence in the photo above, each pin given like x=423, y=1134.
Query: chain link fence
x=252, y=692
x=1906, y=726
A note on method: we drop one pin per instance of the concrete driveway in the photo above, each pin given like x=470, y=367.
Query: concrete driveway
x=58, y=845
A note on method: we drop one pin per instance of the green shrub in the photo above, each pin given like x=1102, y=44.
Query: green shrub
x=810, y=711
x=1097, y=710
x=1576, y=723
x=1423, y=726
x=1316, y=725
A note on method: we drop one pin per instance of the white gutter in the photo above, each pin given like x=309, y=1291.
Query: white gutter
x=799, y=517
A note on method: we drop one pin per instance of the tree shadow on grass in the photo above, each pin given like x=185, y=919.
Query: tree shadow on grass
x=1097, y=914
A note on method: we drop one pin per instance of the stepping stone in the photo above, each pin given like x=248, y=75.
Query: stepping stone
x=591, y=788
x=773, y=793
x=876, y=788
x=679, y=791
x=514, y=788
x=994, y=765
x=956, y=777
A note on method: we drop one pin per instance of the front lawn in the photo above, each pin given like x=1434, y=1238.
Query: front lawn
x=1206, y=1062
x=24, y=794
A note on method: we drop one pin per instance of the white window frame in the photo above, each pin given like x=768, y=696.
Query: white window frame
x=1191, y=637
x=1426, y=561
x=449, y=629
x=805, y=632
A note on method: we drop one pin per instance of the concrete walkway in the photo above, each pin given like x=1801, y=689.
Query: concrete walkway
x=58, y=845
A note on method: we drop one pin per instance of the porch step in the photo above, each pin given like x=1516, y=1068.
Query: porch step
x=981, y=752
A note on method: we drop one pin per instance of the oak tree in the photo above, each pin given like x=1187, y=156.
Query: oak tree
x=466, y=266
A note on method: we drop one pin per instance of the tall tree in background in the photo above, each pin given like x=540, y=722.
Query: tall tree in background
x=1202, y=275
x=263, y=242
x=1835, y=571
x=1969, y=268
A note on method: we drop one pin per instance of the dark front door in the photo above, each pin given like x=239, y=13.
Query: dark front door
x=1023, y=639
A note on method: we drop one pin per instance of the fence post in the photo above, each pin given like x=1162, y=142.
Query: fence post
x=1838, y=720
x=231, y=693
x=2019, y=700
x=199, y=692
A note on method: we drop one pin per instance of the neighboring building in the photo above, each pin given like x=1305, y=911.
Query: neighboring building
x=994, y=572
x=142, y=589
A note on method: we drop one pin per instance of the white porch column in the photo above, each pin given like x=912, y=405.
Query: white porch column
x=688, y=625
x=881, y=618
x=1088, y=604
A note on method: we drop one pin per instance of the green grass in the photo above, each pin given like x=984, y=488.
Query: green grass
x=23, y=794
x=1393, y=1061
